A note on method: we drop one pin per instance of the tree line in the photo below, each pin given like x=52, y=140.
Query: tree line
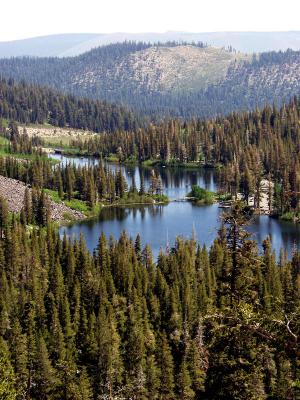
x=30, y=104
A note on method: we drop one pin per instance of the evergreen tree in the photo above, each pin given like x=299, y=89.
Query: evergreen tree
x=7, y=377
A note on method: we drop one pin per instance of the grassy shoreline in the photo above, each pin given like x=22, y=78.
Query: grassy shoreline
x=92, y=212
x=69, y=152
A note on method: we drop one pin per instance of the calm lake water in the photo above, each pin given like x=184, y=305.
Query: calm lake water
x=159, y=225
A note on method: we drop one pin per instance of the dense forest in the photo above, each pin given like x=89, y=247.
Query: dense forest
x=213, y=324
x=248, y=146
x=105, y=73
x=38, y=105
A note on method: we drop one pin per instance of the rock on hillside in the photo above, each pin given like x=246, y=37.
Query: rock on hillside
x=52, y=132
x=13, y=192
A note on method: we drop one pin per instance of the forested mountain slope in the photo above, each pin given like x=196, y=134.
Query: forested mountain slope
x=184, y=80
x=27, y=103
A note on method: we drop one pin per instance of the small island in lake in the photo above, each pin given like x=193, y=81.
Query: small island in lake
x=201, y=196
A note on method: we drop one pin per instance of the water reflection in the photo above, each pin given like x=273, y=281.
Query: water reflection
x=158, y=224
x=284, y=235
x=177, y=182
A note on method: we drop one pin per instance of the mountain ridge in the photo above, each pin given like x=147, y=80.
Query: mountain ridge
x=72, y=44
x=186, y=81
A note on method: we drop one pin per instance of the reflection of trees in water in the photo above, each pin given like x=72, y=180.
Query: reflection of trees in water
x=142, y=211
x=171, y=177
x=282, y=234
x=158, y=210
x=113, y=213
x=121, y=213
x=136, y=211
x=209, y=178
x=290, y=239
x=180, y=177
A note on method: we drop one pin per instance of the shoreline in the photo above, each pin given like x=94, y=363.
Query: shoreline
x=94, y=214
x=145, y=163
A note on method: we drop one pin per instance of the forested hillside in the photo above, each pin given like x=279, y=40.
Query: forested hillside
x=248, y=146
x=27, y=104
x=172, y=79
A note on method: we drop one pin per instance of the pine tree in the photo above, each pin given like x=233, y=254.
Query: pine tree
x=46, y=383
x=166, y=366
x=184, y=383
x=3, y=216
x=7, y=376
x=19, y=357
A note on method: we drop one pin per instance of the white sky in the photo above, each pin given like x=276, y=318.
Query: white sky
x=28, y=18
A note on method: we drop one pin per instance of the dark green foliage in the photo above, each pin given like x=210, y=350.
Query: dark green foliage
x=39, y=105
x=207, y=324
x=8, y=390
x=217, y=324
x=201, y=195
x=3, y=215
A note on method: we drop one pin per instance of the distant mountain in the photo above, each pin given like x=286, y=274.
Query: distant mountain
x=65, y=45
x=44, y=46
x=181, y=80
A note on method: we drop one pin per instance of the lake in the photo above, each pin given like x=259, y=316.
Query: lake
x=159, y=225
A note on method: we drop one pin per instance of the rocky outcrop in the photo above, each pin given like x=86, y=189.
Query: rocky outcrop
x=13, y=191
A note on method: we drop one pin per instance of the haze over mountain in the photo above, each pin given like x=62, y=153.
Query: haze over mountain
x=64, y=45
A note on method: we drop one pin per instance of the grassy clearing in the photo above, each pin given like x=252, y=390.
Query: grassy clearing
x=78, y=205
x=82, y=206
x=53, y=194
x=75, y=204
x=62, y=141
x=30, y=157
x=135, y=198
x=3, y=141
